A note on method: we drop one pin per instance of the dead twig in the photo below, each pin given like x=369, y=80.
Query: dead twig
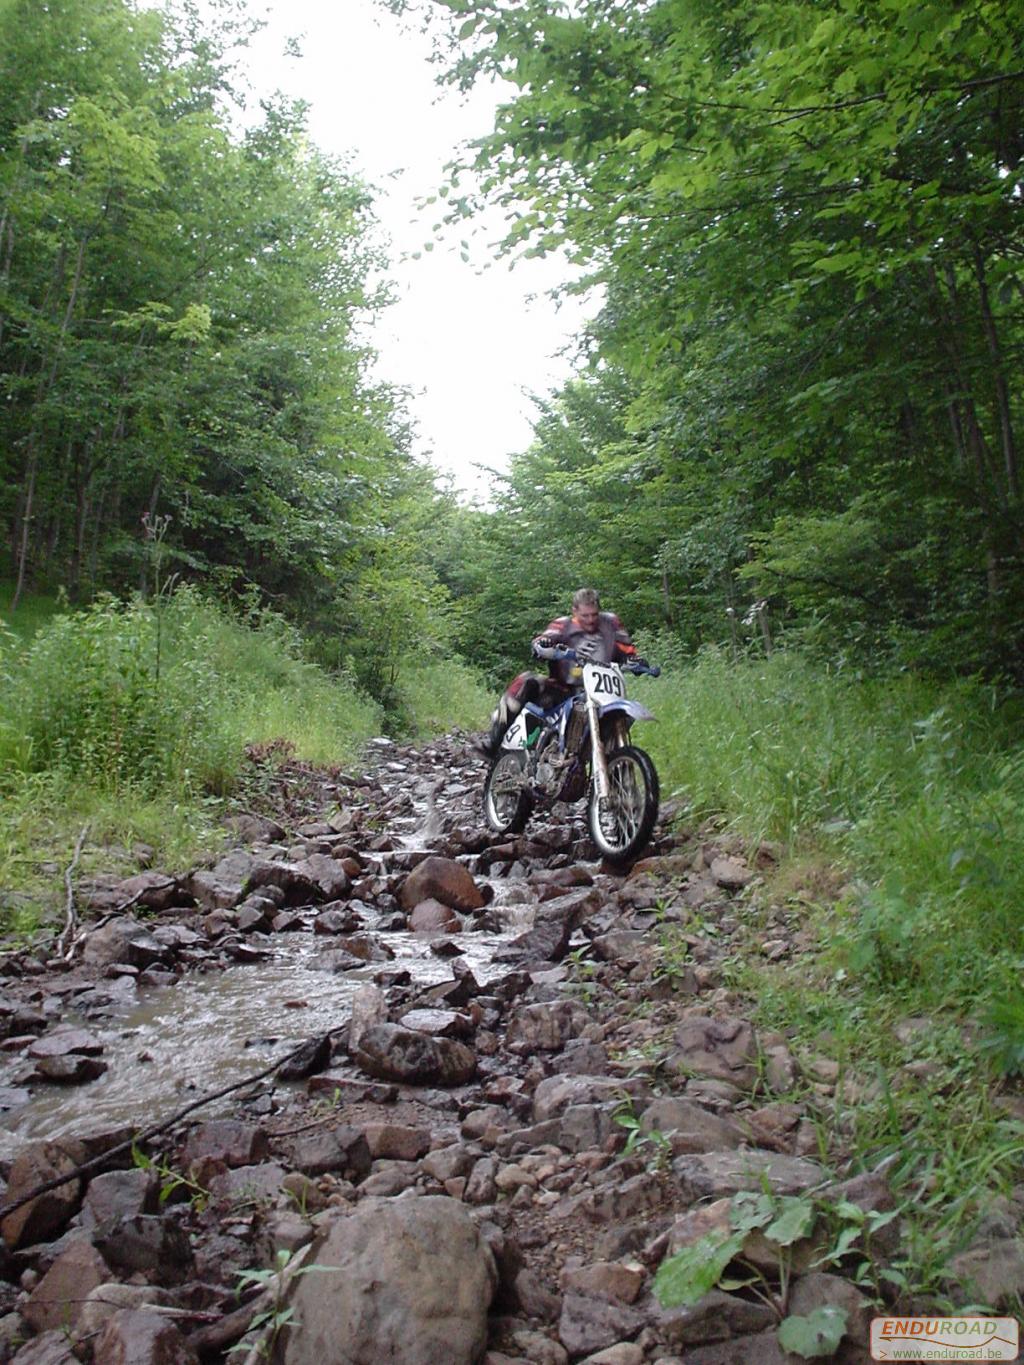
x=70, y=918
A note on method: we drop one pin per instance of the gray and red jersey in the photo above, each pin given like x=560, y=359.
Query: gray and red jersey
x=610, y=643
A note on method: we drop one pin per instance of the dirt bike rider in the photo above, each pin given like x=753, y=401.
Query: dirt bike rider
x=596, y=635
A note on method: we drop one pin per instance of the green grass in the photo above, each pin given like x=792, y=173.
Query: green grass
x=34, y=610
x=899, y=804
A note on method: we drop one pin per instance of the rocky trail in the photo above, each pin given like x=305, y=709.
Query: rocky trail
x=505, y=1101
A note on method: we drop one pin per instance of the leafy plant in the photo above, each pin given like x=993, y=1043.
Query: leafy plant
x=656, y=1144
x=275, y=1279
x=688, y=1275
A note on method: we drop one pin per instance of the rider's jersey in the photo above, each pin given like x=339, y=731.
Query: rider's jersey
x=610, y=643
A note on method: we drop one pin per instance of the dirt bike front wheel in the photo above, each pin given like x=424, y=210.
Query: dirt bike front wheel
x=621, y=825
x=507, y=803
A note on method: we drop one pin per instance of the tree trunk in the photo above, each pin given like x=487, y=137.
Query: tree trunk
x=1010, y=467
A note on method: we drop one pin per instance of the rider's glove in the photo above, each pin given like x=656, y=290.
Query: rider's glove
x=588, y=647
x=640, y=663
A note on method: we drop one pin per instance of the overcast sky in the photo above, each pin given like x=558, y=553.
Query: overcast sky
x=471, y=344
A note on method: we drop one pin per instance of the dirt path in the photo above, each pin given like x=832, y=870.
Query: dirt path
x=585, y=1087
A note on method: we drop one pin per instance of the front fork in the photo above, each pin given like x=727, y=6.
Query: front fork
x=600, y=762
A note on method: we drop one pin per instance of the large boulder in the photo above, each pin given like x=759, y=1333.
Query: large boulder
x=123, y=940
x=444, y=880
x=221, y=888
x=392, y=1053
x=407, y=1281
x=47, y=1213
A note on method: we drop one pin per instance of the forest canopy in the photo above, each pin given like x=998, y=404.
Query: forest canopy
x=802, y=396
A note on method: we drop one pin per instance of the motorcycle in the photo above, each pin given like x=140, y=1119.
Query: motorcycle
x=579, y=749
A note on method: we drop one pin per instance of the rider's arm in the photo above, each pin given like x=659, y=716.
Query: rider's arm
x=624, y=646
x=554, y=633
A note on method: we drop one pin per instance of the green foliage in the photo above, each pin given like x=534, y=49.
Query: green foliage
x=801, y=396
x=1004, y=1040
x=817, y=1334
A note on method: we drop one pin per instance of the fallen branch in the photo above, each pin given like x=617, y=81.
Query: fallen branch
x=70, y=918
x=99, y=1162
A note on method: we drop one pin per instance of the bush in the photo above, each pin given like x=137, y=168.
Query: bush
x=170, y=692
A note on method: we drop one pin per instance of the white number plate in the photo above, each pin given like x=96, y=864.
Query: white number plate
x=603, y=682
x=515, y=738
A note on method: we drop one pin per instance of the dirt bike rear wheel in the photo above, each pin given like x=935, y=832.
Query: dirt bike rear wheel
x=507, y=803
x=622, y=826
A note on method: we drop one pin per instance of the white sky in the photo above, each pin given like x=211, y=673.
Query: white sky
x=471, y=344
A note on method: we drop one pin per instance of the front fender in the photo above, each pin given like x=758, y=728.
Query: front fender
x=633, y=709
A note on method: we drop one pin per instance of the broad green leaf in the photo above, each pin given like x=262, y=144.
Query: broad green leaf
x=818, y=1334
x=689, y=1275
x=795, y=1219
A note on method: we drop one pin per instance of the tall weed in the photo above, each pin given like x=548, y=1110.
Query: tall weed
x=917, y=787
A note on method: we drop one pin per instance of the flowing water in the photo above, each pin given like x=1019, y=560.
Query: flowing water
x=172, y=1044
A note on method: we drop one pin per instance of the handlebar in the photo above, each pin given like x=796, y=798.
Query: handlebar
x=639, y=666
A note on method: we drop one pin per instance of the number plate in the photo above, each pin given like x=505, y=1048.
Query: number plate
x=603, y=682
x=515, y=735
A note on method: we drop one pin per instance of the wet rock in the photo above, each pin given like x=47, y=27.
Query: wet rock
x=123, y=940
x=548, y=940
x=626, y=946
x=343, y=1150
x=337, y=919
x=369, y=1008
x=339, y=1087
x=59, y=1297
x=481, y=1187
x=154, y=1246
x=414, y=1281
x=135, y=1337
x=45, y=1215
x=70, y=1070
x=154, y=890
x=328, y=874
x=690, y=1128
x=545, y=1027
x=717, y=1174
x=434, y=917
x=392, y=1053
x=116, y=1195
x=722, y=1048
x=588, y=1324
x=439, y=1023
x=444, y=880
x=365, y=947
x=221, y=888
x=313, y=1056
x=228, y=1140
x=256, y=915
x=295, y=880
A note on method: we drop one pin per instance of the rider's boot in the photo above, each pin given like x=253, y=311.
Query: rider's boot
x=488, y=746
